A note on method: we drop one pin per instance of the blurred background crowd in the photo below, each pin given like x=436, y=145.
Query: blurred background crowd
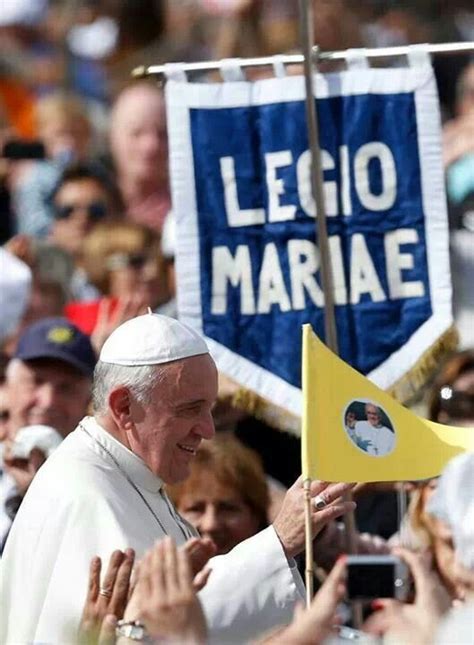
x=65, y=84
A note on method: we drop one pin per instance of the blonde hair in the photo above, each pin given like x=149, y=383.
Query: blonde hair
x=60, y=106
x=112, y=237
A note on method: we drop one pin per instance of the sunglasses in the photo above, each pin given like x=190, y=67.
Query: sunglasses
x=95, y=210
x=127, y=260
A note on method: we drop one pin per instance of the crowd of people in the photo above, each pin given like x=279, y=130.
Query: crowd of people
x=116, y=430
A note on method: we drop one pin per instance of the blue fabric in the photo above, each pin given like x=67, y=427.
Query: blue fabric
x=369, y=332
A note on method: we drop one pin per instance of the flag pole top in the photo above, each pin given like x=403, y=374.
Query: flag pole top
x=372, y=53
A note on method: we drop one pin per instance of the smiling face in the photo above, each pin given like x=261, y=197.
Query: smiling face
x=47, y=392
x=217, y=510
x=373, y=415
x=166, y=433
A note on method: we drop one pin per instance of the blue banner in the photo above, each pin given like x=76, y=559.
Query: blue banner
x=240, y=170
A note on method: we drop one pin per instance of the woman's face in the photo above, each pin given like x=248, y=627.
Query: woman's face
x=218, y=511
x=139, y=275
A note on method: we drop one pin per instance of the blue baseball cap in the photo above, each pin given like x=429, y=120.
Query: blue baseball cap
x=58, y=339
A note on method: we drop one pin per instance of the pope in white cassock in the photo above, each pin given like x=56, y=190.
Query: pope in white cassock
x=375, y=438
x=154, y=387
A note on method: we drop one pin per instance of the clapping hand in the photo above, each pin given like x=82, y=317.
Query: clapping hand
x=106, y=603
x=108, y=320
x=164, y=600
x=314, y=625
x=199, y=551
x=400, y=621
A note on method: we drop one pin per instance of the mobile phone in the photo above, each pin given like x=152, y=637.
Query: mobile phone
x=17, y=150
x=377, y=576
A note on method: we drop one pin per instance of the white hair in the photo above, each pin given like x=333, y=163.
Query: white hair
x=139, y=380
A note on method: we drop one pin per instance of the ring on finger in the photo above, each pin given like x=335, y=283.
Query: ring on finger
x=105, y=592
x=319, y=502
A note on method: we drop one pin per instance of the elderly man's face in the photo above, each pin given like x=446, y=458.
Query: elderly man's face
x=48, y=392
x=138, y=135
x=169, y=430
x=373, y=416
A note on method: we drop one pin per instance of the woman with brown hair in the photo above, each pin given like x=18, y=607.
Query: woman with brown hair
x=226, y=496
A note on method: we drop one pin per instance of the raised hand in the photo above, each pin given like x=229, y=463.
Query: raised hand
x=164, y=599
x=106, y=600
x=289, y=523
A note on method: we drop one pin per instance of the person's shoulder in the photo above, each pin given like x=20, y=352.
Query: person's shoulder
x=73, y=470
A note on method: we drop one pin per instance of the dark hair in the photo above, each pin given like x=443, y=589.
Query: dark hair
x=97, y=172
x=441, y=396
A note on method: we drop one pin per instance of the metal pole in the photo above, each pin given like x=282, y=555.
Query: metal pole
x=306, y=28
x=317, y=186
x=298, y=59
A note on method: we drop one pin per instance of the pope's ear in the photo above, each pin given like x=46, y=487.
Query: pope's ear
x=120, y=407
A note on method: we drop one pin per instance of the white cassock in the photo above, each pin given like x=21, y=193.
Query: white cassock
x=93, y=496
x=379, y=439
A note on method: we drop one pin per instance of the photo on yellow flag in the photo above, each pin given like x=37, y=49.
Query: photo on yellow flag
x=352, y=431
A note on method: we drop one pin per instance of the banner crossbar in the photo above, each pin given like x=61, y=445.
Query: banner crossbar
x=298, y=59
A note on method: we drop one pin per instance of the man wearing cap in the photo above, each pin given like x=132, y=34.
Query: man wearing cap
x=50, y=376
x=49, y=383
x=154, y=388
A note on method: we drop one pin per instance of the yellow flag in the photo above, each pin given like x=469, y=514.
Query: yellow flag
x=355, y=432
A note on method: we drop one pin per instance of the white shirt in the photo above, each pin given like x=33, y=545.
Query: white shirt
x=378, y=440
x=93, y=496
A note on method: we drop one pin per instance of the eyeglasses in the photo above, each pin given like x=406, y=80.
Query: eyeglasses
x=95, y=210
x=127, y=260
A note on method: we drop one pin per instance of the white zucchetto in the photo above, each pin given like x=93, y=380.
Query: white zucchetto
x=151, y=339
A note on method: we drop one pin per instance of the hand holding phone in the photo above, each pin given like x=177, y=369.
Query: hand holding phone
x=377, y=576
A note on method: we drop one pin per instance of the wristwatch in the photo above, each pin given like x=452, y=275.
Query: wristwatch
x=132, y=629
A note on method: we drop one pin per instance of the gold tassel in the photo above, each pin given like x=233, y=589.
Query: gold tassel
x=410, y=384
x=404, y=390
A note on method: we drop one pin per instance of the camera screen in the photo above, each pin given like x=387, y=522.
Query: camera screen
x=371, y=580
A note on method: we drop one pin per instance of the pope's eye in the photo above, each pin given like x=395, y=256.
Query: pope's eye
x=190, y=410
